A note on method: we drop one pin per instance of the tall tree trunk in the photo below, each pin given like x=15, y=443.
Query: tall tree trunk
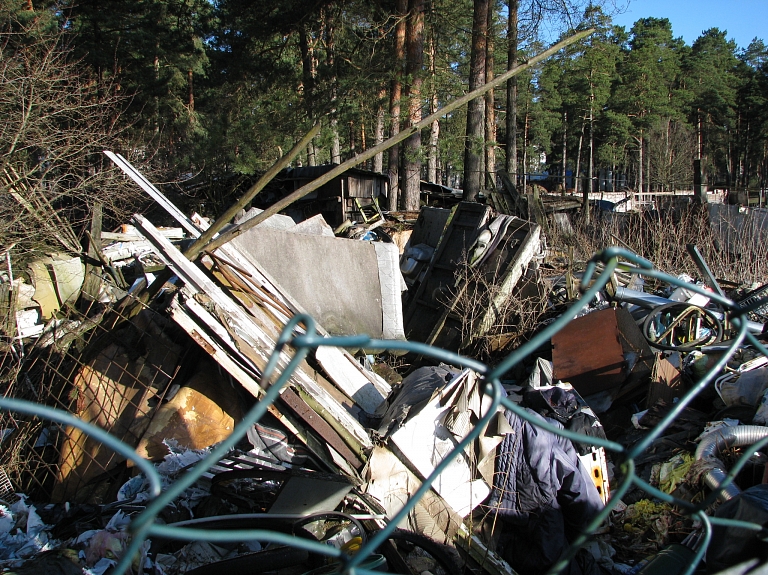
x=578, y=183
x=308, y=74
x=156, y=67
x=378, y=135
x=640, y=163
x=729, y=158
x=434, y=132
x=525, y=150
x=490, y=112
x=648, y=167
x=512, y=38
x=475, y=135
x=414, y=63
x=565, y=151
x=744, y=156
x=395, y=94
x=590, y=179
x=668, y=156
x=330, y=49
x=191, y=93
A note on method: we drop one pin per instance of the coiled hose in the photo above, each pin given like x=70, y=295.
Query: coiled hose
x=719, y=440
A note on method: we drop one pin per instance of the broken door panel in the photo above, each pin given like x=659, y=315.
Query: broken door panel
x=437, y=289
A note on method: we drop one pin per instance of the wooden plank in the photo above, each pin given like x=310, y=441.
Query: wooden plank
x=321, y=427
x=131, y=235
x=248, y=380
x=181, y=315
x=279, y=302
x=349, y=375
x=153, y=192
x=92, y=282
x=535, y=208
x=515, y=202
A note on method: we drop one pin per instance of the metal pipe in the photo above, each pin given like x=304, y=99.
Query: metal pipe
x=721, y=439
x=640, y=298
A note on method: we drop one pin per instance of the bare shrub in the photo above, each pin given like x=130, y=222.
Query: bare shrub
x=515, y=318
x=56, y=122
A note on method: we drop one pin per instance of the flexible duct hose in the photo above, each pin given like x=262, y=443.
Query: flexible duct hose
x=721, y=439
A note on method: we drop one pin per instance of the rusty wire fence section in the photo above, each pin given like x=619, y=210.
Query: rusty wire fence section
x=301, y=341
x=109, y=377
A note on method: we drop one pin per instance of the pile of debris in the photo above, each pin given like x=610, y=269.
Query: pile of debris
x=167, y=338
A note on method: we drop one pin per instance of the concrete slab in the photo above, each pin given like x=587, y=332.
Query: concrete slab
x=350, y=287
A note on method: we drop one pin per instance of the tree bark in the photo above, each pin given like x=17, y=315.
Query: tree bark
x=490, y=112
x=640, y=163
x=308, y=74
x=525, y=148
x=414, y=63
x=330, y=49
x=395, y=95
x=511, y=124
x=434, y=132
x=475, y=134
x=578, y=160
x=565, y=151
x=591, y=175
x=191, y=93
x=378, y=136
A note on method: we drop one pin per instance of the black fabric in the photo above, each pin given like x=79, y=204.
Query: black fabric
x=414, y=393
x=732, y=545
x=542, y=494
x=587, y=424
x=561, y=403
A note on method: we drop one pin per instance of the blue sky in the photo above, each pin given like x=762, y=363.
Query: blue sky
x=743, y=19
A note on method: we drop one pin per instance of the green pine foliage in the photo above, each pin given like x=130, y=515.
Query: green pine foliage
x=209, y=89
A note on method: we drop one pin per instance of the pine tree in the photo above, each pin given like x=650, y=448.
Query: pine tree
x=475, y=140
x=648, y=89
x=709, y=75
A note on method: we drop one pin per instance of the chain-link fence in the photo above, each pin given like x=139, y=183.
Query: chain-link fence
x=300, y=336
x=102, y=365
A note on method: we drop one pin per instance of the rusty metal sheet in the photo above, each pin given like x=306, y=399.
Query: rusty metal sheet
x=588, y=353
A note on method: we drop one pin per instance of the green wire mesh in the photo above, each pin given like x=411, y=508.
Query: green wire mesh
x=143, y=526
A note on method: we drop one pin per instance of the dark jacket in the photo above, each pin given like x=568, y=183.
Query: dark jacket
x=542, y=494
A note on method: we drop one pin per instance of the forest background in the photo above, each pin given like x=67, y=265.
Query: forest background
x=207, y=95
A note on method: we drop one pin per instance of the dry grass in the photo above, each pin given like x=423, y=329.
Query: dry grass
x=734, y=247
x=516, y=317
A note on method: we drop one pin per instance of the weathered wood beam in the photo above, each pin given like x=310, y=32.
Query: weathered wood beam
x=196, y=248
